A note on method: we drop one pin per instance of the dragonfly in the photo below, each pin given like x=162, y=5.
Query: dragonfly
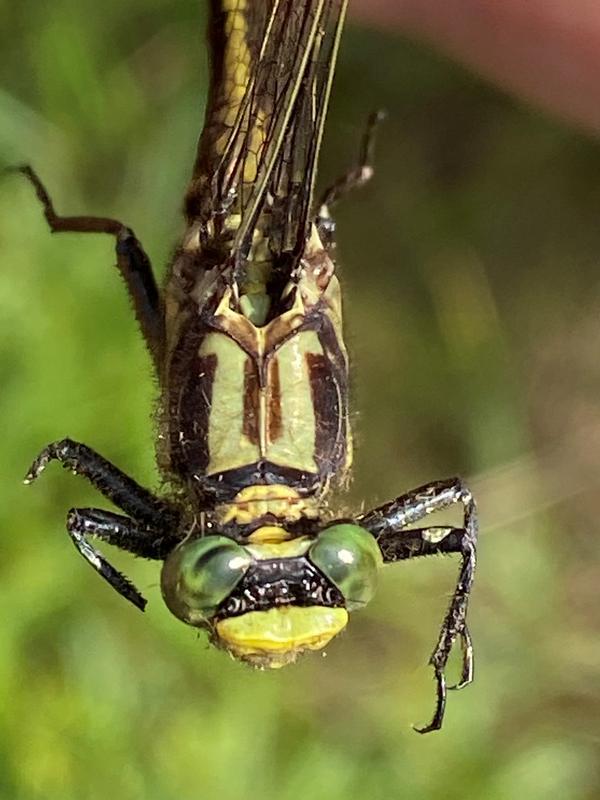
x=245, y=337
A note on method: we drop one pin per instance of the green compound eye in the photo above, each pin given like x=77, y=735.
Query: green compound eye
x=348, y=555
x=200, y=574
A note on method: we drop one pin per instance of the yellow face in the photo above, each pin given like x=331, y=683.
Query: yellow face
x=276, y=597
x=277, y=636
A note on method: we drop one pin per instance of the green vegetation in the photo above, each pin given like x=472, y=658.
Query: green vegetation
x=470, y=268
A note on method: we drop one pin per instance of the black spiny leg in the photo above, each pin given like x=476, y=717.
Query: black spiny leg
x=114, y=484
x=122, y=532
x=132, y=262
x=148, y=534
x=355, y=177
x=387, y=524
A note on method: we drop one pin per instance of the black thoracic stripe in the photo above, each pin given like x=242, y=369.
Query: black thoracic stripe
x=328, y=448
x=329, y=385
x=304, y=526
x=223, y=486
x=189, y=437
x=251, y=421
x=273, y=410
x=331, y=345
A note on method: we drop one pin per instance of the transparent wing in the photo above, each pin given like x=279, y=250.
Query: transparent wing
x=272, y=63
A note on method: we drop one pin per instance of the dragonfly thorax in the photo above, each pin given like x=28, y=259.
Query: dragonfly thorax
x=250, y=404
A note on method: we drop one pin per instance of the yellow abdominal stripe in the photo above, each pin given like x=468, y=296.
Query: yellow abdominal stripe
x=277, y=636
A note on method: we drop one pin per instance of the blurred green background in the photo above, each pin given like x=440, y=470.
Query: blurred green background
x=470, y=268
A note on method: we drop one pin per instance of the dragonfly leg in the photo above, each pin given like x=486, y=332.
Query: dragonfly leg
x=132, y=262
x=388, y=523
x=114, y=484
x=122, y=532
x=357, y=176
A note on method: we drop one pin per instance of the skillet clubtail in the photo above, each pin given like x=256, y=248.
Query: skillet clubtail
x=246, y=341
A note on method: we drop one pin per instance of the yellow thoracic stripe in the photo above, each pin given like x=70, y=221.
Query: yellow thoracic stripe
x=228, y=446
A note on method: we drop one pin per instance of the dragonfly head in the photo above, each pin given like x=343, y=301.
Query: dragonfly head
x=273, y=598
